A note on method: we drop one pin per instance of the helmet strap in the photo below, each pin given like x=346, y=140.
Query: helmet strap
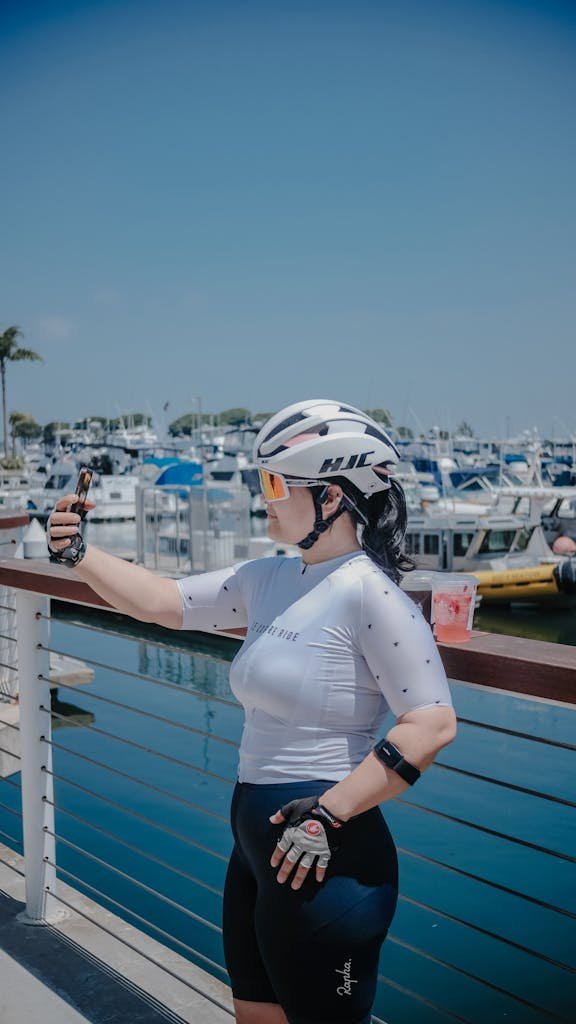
x=320, y=524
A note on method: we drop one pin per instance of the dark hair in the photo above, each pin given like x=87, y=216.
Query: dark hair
x=383, y=536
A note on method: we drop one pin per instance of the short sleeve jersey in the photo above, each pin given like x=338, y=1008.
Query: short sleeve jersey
x=330, y=649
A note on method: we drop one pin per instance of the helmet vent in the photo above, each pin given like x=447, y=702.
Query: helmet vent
x=374, y=432
x=297, y=418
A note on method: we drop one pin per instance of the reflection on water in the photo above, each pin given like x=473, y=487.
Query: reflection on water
x=206, y=674
x=68, y=714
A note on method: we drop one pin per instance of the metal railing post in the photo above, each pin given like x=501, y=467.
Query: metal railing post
x=156, y=531
x=140, y=526
x=33, y=611
x=191, y=550
x=177, y=529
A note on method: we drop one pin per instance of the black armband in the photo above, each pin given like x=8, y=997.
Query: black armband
x=394, y=759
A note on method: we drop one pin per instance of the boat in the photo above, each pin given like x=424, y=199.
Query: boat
x=114, y=494
x=508, y=553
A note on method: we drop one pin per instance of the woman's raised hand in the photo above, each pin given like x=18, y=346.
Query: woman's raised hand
x=62, y=524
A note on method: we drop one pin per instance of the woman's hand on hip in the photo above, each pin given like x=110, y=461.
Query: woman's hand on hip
x=311, y=834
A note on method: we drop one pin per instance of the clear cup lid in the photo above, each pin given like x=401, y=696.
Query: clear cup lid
x=454, y=580
x=420, y=579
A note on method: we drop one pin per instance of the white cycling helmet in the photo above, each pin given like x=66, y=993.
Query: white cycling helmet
x=314, y=441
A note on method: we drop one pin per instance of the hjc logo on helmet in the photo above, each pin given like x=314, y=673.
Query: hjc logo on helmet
x=354, y=462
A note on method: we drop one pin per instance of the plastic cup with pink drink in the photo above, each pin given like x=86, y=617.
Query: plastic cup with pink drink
x=453, y=600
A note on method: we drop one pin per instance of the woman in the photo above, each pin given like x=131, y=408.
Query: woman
x=332, y=644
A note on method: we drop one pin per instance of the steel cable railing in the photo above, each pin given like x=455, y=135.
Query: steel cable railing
x=141, y=677
x=142, y=920
x=410, y=803
x=516, y=733
x=132, y=778
x=150, y=641
x=137, y=814
x=137, y=746
x=151, y=714
x=12, y=868
x=415, y=806
x=230, y=782
x=13, y=639
x=221, y=739
x=438, y=764
x=136, y=949
x=136, y=849
x=474, y=977
x=13, y=668
x=8, y=836
x=487, y=831
x=16, y=757
x=218, y=892
x=203, y=810
x=486, y=881
x=422, y=999
x=8, y=782
x=134, y=881
x=381, y=977
x=7, y=608
x=128, y=810
x=424, y=906
x=486, y=931
x=10, y=725
x=505, y=785
x=5, y=807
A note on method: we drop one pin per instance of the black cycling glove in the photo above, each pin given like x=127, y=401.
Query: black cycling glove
x=74, y=551
x=311, y=831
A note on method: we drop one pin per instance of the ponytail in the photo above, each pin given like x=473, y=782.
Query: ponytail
x=383, y=518
x=383, y=536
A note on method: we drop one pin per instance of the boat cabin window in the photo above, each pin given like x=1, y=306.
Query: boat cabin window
x=461, y=542
x=522, y=538
x=496, y=541
x=431, y=544
x=413, y=543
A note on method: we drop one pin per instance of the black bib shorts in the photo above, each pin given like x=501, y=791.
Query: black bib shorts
x=314, y=951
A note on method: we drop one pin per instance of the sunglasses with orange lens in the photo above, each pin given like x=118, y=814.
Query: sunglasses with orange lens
x=274, y=486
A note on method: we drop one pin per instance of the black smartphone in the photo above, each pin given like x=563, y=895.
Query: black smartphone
x=84, y=480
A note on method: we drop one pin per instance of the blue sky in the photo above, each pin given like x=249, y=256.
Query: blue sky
x=257, y=202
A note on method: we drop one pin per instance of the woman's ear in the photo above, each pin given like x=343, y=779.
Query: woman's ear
x=332, y=495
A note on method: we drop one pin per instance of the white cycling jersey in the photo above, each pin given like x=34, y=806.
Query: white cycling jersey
x=330, y=648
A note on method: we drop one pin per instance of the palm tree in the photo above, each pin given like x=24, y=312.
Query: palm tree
x=10, y=352
x=16, y=420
